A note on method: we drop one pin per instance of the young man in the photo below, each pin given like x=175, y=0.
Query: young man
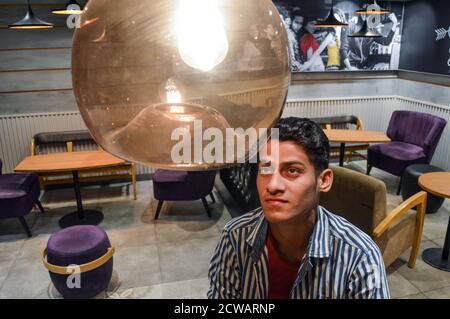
x=291, y=247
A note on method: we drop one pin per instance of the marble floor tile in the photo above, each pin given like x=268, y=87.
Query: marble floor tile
x=398, y=285
x=442, y=293
x=423, y=276
x=186, y=260
x=5, y=266
x=32, y=247
x=26, y=278
x=415, y=296
x=137, y=266
x=439, y=241
x=436, y=224
x=133, y=236
x=181, y=231
x=186, y=289
x=10, y=246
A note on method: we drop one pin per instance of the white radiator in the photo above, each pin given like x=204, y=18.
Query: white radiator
x=17, y=130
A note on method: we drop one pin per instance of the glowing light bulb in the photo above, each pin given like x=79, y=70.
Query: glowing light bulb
x=201, y=38
x=173, y=95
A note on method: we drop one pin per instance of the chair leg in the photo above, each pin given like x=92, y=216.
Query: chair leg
x=205, y=204
x=25, y=226
x=369, y=168
x=158, y=209
x=133, y=179
x=212, y=197
x=399, y=185
x=39, y=205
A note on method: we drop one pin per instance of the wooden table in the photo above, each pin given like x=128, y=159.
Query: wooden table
x=437, y=184
x=71, y=162
x=354, y=136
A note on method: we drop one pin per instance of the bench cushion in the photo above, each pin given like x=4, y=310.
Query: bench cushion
x=62, y=137
x=338, y=119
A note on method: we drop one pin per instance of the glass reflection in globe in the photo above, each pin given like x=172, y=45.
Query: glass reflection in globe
x=143, y=70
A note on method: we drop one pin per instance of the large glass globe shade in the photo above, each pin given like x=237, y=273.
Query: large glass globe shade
x=144, y=71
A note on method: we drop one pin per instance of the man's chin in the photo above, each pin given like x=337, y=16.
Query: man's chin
x=276, y=215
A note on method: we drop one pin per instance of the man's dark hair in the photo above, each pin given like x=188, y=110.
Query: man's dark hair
x=296, y=12
x=308, y=135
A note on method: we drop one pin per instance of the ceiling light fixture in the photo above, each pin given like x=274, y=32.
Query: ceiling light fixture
x=330, y=21
x=30, y=21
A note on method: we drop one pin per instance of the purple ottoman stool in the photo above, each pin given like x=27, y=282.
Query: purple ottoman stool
x=89, y=248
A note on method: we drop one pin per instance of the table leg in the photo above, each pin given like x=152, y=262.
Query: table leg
x=76, y=184
x=438, y=257
x=81, y=216
x=342, y=154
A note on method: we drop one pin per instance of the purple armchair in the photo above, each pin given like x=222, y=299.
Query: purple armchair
x=19, y=192
x=183, y=186
x=414, y=137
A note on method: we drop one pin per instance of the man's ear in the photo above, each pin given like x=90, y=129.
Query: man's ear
x=325, y=180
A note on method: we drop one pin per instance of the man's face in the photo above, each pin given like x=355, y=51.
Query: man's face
x=311, y=27
x=288, y=187
x=287, y=22
x=297, y=24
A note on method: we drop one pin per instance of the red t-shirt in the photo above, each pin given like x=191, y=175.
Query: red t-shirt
x=282, y=273
x=308, y=41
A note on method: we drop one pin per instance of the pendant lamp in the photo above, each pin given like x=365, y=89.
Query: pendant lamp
x=161, y=82
x=330, y=21
x=30, y=21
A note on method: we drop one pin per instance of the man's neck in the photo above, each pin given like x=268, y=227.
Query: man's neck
x=291, y=239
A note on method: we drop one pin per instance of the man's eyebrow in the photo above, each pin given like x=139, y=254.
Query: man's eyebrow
x=293, y=163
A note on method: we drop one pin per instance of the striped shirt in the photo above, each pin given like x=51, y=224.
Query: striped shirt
x=341, y=261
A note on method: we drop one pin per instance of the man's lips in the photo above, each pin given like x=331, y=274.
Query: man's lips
x=275, y=200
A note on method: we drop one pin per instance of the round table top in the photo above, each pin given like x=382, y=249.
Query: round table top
x=437, y=183
x=67, y=161
x=356, y=136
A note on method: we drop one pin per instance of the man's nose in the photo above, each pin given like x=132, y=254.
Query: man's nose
x=275, y=184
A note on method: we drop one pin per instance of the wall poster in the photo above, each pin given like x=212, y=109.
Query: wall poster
x=330, y=49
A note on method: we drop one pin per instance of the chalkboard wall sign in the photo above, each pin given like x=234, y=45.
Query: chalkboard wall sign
x=426, y=37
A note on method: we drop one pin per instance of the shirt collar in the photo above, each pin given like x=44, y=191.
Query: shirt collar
x=319, y=245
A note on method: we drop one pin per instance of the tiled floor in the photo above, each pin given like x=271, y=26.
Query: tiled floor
x=169, y=258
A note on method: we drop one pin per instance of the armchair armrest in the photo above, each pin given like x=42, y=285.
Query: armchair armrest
x=418, y=200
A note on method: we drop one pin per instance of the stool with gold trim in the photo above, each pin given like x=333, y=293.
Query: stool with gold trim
x=79, y=261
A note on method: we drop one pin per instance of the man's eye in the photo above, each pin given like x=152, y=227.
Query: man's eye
x=293, y=170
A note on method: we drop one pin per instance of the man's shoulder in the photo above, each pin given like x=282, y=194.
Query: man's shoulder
x=248, y=220
x=341, y=229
